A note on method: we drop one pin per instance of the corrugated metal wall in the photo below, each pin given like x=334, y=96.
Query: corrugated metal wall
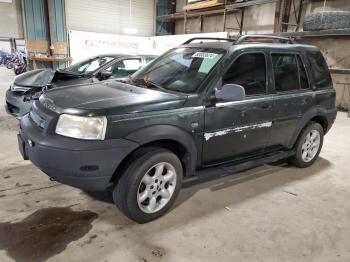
x=60, y=34
x=36, y=19
x=111, y=16
x=11, y=24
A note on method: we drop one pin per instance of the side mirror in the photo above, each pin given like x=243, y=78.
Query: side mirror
x=104, y=75
x=230, y=93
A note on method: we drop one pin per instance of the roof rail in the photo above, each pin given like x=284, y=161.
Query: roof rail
x=245, y=37
x=207, y=38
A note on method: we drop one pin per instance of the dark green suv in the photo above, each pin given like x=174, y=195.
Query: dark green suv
x=200, y=110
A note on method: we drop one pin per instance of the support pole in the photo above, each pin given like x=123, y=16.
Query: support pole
x=185, y=22
x=301, y=5
x=277, y=23
x=242, y=21
x=225, y=13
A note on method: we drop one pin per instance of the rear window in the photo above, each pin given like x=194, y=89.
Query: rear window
x=320, y=72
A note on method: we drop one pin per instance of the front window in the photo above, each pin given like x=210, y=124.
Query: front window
x=89, y=65
x=181, y=69
x=249, y=71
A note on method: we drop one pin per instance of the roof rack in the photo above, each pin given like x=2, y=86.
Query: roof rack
x=207, y=38
x=280, y=38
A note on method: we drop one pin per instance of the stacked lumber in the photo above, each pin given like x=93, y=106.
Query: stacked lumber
x=204, y=4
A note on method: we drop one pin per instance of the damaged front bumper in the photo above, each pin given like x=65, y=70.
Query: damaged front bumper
x=16, y=104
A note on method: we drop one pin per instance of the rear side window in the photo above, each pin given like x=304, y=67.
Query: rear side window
x=320, y=72
x=289, y=72
x=249, y=71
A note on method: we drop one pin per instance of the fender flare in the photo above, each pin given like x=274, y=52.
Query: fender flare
x=167, y=132
x=314, y=112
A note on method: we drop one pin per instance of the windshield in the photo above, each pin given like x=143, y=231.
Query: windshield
x=89, y=65
x=181, y=69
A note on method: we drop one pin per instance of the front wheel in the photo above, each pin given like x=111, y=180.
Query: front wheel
x=308, y=146
x=149, y=185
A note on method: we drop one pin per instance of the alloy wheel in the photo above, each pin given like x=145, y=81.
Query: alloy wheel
x=156, y=187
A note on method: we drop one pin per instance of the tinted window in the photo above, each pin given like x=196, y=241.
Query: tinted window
x=89, y=65
x=180, y=69
x=320, y=72
x=285, y=68
x=304, y=83
x=249, y=71
x=125, y=67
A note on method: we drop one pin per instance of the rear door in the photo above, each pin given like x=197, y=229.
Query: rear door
x=293, y=95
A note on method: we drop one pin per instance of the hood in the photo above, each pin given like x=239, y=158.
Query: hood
x=35, y=78
x=109, y=98
x=42, y=77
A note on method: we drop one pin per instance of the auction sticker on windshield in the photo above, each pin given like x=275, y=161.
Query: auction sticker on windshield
x=204, y=55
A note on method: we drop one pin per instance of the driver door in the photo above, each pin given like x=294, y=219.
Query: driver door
x=238, y=129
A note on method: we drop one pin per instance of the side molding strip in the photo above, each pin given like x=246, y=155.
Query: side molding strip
x=223, y=132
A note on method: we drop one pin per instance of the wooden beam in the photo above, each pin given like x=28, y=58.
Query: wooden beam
x=230, y=9
x=180, y=16
x=37, y=46
x=203, y=4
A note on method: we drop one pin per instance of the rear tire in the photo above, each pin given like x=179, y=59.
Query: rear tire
x=149, y=185
x=308, y=145
x=327, y=20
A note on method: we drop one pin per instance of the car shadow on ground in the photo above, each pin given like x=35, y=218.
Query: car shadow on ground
x=261, y=179
x=245, y=185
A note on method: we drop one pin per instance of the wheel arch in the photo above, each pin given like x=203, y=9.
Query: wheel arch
x=316, y=115
x=172, y=138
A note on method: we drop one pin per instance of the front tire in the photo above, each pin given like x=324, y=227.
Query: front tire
x=149, y=185
x=308, y=146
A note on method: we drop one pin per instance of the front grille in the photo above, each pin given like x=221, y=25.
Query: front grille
x=43, y=117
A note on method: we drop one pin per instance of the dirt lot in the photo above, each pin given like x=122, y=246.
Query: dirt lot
x=271, y=213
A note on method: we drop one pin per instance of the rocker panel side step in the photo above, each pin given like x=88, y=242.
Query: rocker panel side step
x=212, y=173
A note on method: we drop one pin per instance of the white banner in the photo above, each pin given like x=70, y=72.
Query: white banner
x=87, y=44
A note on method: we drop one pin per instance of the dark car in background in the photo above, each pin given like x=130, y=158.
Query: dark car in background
x=30, y=85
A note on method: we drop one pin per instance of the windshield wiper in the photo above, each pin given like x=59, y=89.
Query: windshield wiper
x=145, y=83
x=154, y=85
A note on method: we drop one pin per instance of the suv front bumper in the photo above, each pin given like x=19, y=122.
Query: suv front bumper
x=84, y=164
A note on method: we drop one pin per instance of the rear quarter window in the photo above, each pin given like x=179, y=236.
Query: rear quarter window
x=320, y=72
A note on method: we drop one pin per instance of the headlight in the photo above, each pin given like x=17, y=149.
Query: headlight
x=90, y=128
